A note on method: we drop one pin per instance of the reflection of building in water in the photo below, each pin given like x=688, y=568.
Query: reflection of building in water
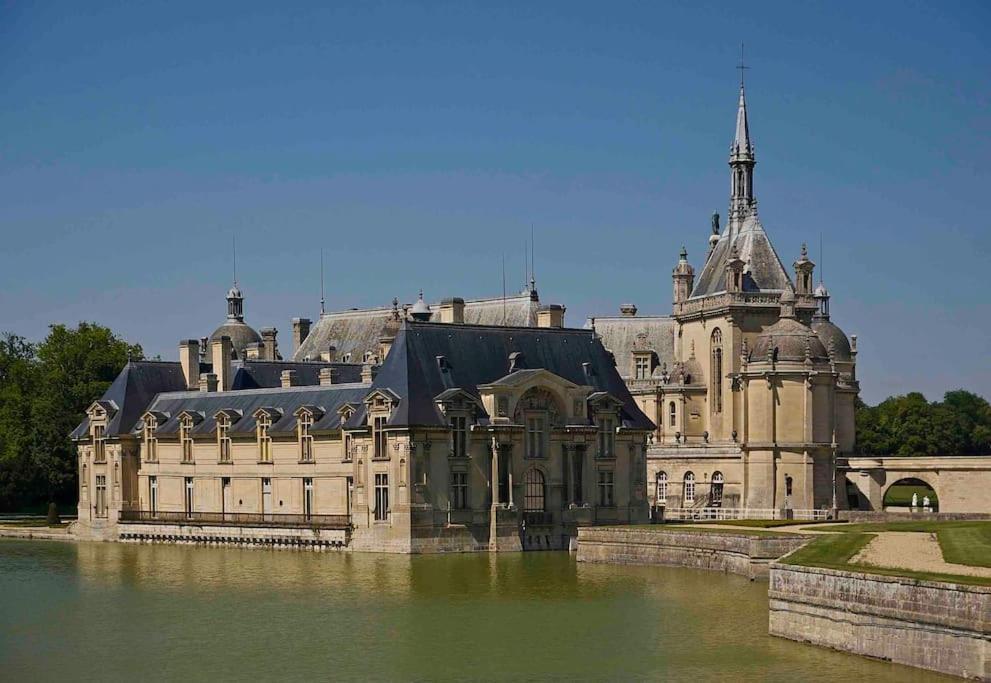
x=750, y=384
x=409, y=429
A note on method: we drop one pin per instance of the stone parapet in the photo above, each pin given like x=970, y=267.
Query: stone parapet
x=739, y=553
x=943, y=627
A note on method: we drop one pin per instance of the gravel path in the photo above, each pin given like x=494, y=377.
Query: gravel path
x=914, y=551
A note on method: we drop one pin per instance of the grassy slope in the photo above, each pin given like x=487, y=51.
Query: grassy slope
x=970, y=545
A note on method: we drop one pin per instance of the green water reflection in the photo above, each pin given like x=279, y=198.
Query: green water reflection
x=110, y=612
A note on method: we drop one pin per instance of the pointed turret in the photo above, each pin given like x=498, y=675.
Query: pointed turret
x=741, y=162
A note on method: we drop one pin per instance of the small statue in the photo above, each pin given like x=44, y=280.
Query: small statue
x=915, y=500
x=925, y=503
x=715, y=222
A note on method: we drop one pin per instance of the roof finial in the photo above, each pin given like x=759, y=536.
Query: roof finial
x=742, y=66
x=322, y=311
x=234, y=251
x=533, y=276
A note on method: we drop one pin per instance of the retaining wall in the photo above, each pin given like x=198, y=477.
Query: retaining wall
x=746, y=554
x=943, y=627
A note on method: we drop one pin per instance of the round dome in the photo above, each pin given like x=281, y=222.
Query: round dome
x=827, y=331
x=820, y=291
x=790, y=338
x=240, y=333
x=420, y=310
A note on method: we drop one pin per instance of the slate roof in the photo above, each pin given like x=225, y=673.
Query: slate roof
x=763, y=272
x=357, y=331
x=132, y=391
x=476, y=355
x=261, y=374
x=246, y=402
x=619, y=334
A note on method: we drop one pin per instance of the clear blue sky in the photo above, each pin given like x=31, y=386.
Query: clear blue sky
x=417, y=143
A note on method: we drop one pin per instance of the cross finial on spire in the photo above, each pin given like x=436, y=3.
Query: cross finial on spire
x=234, y=252
x=322, y=311
x=742, y=66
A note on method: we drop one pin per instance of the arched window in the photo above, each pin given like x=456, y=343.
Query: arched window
x=533, y=494
x=716, y=371
x=661, y=480
x=689, y=489
x=672, y=414
x=716, y=494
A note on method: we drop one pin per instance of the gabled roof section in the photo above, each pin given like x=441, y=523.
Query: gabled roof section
x=479, y=355
x=132, y=392
x=763, y=271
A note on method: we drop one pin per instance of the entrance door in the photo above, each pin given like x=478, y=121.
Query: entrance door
x=267, y=498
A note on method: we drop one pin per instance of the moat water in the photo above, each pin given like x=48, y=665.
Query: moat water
x=105, y=611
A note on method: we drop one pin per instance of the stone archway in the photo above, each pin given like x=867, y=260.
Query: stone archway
x=899, y=494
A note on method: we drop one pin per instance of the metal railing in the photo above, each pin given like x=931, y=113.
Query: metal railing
x=721, y=513
x=238, y=519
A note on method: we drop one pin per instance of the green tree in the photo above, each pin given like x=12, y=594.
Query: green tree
x=911, y=425
x=76, y=366
x=18, y=382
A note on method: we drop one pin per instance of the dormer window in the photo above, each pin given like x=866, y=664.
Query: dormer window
x=459, y=434
x=186, y=438
x=642, y=369
x=224, y=438
x=151, y=443
x=303, y=425
x=607, y=437
x=346, y=358
x=264, y=440
x=99, y=443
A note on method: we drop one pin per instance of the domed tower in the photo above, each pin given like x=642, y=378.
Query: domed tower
x=844, y=358
x=240, y=333
x=789, y=385
x=420, y=311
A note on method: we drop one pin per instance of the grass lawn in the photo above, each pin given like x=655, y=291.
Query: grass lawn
x=962, y=542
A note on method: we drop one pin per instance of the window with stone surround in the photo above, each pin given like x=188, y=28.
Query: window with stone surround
x=303, y=424
x=224, y=439
x=186, y=438
x=264, y=439
x=688, y=494
x=99, y=443
x=606, y=484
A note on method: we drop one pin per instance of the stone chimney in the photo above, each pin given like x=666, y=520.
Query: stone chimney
x=628, y=310
x=253, y=351
x=208, y=382
x=300, y=331
x=330, y=355
x=270, y=347
x=551, y=315
x=327, y=376
x=189, y=359
x=368, y=372
x=452, y=311
x=288, y=378
x=220, y=353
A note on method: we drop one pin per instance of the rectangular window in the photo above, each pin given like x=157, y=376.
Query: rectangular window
x=459, y=490
x=643, y=367
x=226, y=502
x=305, y=438
x=99, y=443
x=151, y=443
x=381, y=497
x=224, y=440
x=535, y=437
x=264, y=440
x=348, y=447
x=606, y=488
x=607, y=437
x=153, y=494
x=308, y=497
x=266, y=498
x=459, y=429
x=101, y=495
x=186, y=440
x=381, y=450
x=188, y=500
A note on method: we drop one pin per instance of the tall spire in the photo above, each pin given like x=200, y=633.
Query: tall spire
x=322, y=311
x=741, y=162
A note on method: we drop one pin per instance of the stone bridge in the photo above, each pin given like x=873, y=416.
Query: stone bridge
x=962, y=482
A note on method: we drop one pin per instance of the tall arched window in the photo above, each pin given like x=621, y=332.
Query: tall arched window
x=716, y=371
x=672, y=414
x=533, y=493
x=661, y=480
x=689, y=489
x=716, y=494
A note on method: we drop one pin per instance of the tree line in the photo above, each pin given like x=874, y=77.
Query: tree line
x=46, y=387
